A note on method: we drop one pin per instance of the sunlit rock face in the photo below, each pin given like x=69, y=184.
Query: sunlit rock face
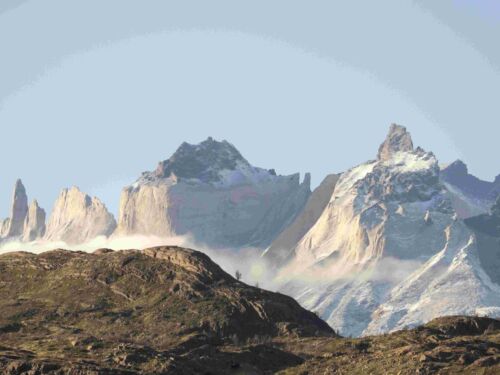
x=26, y=223
x=279, y=252
x=77, y=218
x=366, y=264
x=34, y=223
x=211, y=193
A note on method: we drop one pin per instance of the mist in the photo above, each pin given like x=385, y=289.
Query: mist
x=248, y=261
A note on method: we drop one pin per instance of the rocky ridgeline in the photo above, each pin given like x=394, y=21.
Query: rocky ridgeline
x=26, y=223
x=390, y=249
x=75, y=219
x=207, y=191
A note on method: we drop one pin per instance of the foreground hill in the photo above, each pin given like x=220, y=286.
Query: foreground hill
x=170, y=310
x=132, y=310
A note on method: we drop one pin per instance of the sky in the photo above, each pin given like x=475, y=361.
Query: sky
x=94, y=92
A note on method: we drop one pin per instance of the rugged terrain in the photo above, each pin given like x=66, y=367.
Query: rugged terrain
x=170, y=310
x=391, y=249
x=133, y=310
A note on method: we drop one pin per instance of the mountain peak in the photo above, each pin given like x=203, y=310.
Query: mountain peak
x=19, y=209
x=458, y=168
x=398, y=139
x=203, y=160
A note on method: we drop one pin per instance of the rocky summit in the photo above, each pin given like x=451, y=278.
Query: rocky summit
x=211, y=193
x=25, y=223
x=77, y=218
x=170, y=310
x=390, y=250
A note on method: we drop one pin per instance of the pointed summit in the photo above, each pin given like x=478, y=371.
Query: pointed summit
x=398, y=139
x=34, y=224
x=202, y=161
x=19, y=210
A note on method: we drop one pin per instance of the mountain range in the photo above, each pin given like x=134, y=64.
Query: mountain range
x=392, y=243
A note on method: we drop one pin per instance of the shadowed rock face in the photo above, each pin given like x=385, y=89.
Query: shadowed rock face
x=398, y=140
x=457, y=174
x=487, y=231
x=202, y=161
x=19, y=210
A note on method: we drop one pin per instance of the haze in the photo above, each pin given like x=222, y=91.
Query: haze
x=92, y=93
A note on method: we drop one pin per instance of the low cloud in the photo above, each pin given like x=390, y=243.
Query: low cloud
x=248, y=261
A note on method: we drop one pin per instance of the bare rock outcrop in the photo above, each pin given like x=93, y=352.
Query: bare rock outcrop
x=398, y=140
x=19, y=210
x=77, y=218
x=34, y=224
x=25, y=223
x=279, y=251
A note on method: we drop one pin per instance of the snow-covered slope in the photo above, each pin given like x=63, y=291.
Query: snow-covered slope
x=211, y=193
x=387, y=248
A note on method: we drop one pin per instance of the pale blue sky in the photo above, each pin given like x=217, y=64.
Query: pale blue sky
x=94, y=92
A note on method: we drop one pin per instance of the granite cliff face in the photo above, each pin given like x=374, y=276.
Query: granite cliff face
x=34, y=223
x=211, y=193
x=25, y=223
x=19, y=210
x=389, y=248
x=279, y=251
x=77, y=218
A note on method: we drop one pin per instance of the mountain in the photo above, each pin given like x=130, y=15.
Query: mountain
x=132, y=311
x=278, y=253
x=34, y=223
x=472, y=196
x=77, y=218
x=25, y=222
x=211, y=193
x=389, y=249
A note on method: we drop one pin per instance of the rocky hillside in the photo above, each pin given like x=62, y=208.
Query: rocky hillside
x=211, y=193
x=133, y=311
x=173, y=311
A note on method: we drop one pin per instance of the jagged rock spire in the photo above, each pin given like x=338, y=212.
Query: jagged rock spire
x=203, y=160
x=34, y=225
x=19, y=210
x=398, y=139
x=77, y=218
